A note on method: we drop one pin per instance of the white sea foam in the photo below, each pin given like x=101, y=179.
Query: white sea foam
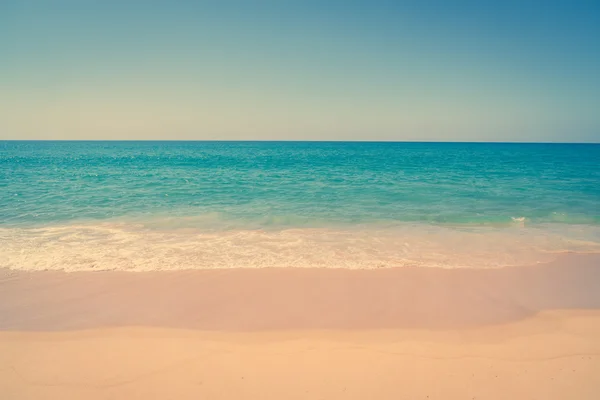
x=520, y=221
x=135, y=247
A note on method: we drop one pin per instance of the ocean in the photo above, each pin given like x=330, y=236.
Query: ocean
x=146, y=206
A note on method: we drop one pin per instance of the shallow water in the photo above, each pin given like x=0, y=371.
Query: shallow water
x=185, y=205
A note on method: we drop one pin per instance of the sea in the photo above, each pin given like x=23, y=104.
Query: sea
x=175, y=205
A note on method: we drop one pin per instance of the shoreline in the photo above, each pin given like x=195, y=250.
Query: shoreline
x=160, y=243
x=296, y=298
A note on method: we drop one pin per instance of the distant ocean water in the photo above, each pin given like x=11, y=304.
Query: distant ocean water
x=145, y=206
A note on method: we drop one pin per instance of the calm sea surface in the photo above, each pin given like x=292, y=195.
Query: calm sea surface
x=186, y=205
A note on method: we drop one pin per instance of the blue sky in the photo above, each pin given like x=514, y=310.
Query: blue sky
x=304, y=70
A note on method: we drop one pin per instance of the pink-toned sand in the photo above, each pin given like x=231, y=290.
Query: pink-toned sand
x=410, y=333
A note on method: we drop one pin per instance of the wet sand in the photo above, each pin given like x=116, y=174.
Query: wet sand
x=529, y=332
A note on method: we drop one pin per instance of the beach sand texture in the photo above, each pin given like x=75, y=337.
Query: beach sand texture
x=406, y=333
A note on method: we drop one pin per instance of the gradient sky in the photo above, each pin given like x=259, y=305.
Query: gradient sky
x=300, y=70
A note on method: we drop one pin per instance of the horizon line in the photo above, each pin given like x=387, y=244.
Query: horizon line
x=289, y=141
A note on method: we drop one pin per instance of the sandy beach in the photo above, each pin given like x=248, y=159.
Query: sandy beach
x=299, y=200
x=530, y=332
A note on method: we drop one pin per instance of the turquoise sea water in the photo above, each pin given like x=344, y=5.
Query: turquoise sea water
x=172, y=205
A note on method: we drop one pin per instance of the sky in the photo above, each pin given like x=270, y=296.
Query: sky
x=300, y=70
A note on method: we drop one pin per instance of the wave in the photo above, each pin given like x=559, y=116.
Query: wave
x=177, y=244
